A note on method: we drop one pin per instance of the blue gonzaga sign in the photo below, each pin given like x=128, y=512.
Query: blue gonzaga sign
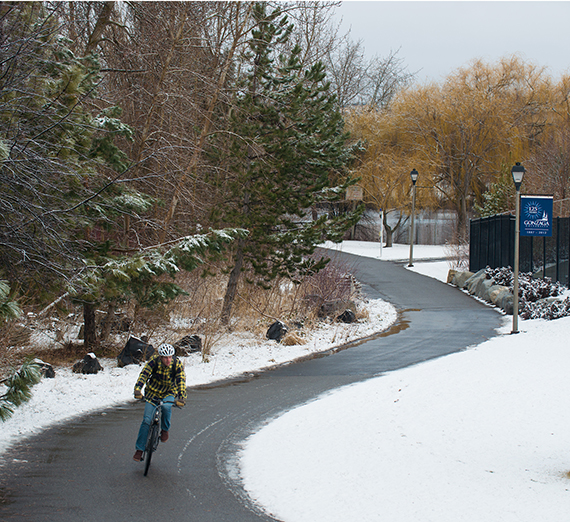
x=536, y=216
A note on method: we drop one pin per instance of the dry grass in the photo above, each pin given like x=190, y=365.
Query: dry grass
x=457, y=254
x=293, y=339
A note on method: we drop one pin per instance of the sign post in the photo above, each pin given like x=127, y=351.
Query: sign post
x=354, y=193
x=517, y=172
x=381, y=212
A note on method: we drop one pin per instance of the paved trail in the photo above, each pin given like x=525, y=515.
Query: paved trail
x=82, y=471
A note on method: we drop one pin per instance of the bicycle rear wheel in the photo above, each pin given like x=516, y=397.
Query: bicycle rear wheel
x=150, y=446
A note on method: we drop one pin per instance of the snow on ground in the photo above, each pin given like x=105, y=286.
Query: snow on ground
x=479, y=435
x=70, y=394
x=476, y=436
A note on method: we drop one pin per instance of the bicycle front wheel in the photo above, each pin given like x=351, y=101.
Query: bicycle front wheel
x=150, y=446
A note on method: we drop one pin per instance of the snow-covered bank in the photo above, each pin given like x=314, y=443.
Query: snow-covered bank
x=69, y=394
x=479, y=435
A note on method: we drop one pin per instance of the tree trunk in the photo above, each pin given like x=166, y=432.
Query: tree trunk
x=108, y=323
x=390, y=230
x=389, y=236
x=102, y=22
x=206, y=128
x=231, y=289
x=89, y=325
x=462, y=219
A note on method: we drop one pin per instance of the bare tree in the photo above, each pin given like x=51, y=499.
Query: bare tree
x=360, y=82
x=384, y=78
x=314, y=29
x=549, y=169
x=347, y=71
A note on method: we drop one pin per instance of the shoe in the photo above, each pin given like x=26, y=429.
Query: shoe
x=163, y=436
x=138, y=455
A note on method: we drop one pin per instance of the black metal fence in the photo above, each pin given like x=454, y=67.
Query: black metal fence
x=492, y=243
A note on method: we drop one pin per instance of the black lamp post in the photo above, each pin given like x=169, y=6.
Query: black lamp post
x=414, y=175
x=517, y=172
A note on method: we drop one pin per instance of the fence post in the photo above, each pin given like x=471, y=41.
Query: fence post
x=557, y=249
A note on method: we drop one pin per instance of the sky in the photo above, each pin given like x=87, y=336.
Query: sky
x=485, y=430
x=436, y=38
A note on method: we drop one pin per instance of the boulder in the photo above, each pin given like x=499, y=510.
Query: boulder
x=461, y=278
x=479, y=285
x=348, y=316
x=187, y=345
x=277, y=331
x=497, y=293
x=89, y=364
x=45, y=368
x=507, y=303
x=135, y=351
x=474, y=280
x=333, y=308
x=482, y=288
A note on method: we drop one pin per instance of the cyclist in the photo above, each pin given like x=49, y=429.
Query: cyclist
x=164, y=377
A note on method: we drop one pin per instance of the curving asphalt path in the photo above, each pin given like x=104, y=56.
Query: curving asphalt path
x=83, y=470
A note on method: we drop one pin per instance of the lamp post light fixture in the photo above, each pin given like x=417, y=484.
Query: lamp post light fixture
x=414, y=175
x=517, y=172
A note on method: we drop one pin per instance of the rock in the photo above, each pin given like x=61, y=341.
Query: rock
x=479, y=285
x=497, y=293
x=45, y=368
x=474, y=280
x=89, y=364
x=187, y=345
x=135, y=351
x=277, y=331
x=348, y=316
x=482, y=288
x=507, y=303
x=461, y=278
x=332, y=308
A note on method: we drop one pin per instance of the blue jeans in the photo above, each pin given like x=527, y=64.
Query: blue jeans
x=147, y=419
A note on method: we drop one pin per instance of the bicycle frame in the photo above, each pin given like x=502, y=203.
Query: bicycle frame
x=153, y=437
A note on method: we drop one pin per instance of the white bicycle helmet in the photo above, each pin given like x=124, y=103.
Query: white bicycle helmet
x=166, y=350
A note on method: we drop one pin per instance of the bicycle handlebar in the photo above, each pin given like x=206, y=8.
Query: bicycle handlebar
x=158, y=402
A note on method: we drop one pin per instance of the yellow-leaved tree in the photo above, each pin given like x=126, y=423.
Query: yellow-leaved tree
x=461, y=135
x=385, y=166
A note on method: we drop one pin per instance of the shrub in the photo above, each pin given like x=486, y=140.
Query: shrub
x=537, y=297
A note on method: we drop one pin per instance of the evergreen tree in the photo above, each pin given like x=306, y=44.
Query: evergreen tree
x=287, y=145
x=145, y=277
x=58, y=161
x=9, y=308
x=496, y=200
x=18, y=388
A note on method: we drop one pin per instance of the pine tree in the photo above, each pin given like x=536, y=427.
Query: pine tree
x=18, y=388
x=288, y=141
x=57, y=158
x=496, y=200
x=9, y=308
x=146, y=277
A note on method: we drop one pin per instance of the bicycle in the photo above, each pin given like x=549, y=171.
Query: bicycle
x=153, y=437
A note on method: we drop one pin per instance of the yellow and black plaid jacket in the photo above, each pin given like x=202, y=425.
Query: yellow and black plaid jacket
x=159, y=379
